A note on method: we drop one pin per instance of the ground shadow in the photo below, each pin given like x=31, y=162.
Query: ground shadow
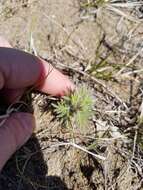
x=27, y=170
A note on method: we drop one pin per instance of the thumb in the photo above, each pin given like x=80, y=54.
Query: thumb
x=14, y=133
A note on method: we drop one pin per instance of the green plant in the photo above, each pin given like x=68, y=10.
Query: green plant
x=76, y=109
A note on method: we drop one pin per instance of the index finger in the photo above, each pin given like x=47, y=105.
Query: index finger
x=19, y=69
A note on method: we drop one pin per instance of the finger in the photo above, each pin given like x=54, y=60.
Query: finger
x=10, y=96
x=54, y=82
x=20, y=69
x=15, y=132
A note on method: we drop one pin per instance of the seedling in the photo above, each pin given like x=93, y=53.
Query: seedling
x=76, y=109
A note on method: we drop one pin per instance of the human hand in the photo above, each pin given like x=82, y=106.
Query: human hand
x=19, y=70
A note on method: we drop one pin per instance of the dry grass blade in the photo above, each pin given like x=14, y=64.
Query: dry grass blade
x=127, y=5
x=80, y=148
x=130, y=62
x=121, y=13
x=11, y=110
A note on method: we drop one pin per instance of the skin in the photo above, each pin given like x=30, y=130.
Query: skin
x=19, y=70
